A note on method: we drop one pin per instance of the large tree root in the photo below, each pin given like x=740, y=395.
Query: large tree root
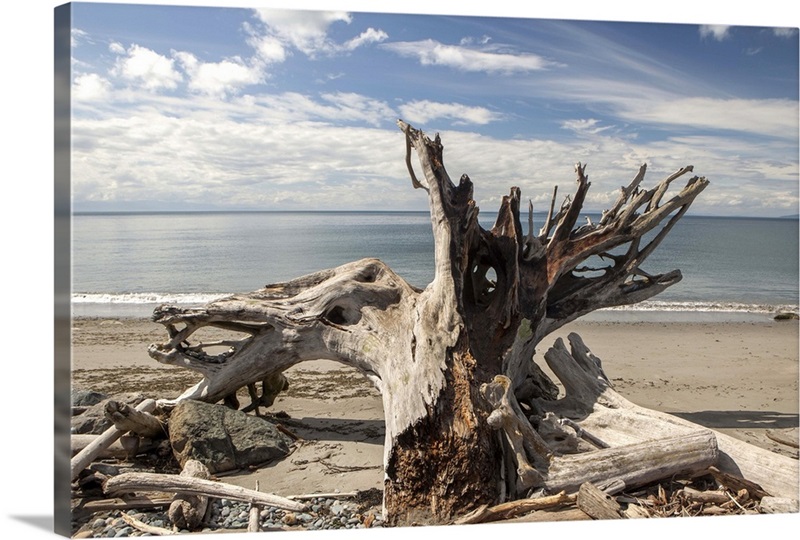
x=594, y=406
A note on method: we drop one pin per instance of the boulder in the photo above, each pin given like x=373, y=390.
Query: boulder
x=222, y=438
x=86, y=398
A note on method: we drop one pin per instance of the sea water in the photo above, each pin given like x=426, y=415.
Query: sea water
x=124, y=264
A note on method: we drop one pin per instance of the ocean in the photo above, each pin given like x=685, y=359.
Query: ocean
x=124, y=264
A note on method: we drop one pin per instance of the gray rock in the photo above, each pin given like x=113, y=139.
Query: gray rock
x=222, y=438
x=86, y=398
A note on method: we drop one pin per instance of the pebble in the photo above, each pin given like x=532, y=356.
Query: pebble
x=321, y=514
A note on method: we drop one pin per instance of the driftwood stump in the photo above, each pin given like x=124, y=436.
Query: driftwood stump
x=450, y=447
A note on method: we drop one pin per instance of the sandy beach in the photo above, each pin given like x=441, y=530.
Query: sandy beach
x=740, y=378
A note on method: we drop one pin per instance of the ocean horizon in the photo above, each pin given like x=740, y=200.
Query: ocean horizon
x=126, y=263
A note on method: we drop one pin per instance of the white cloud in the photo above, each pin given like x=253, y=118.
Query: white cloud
x=147, y=68
x=268, y=48
x=77, y=36
x=715, y=31
x=589, y=126
x=307, y=31
x=218, y=78
x=424, y=112
x=116, y=48
x=370, y=35
x=433, y=53
x=784, y=32
x=773, y=117
x=90, y=87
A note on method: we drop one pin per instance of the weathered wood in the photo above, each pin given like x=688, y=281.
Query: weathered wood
x=516, y=508
x=187, y=511
x=309, y=496
x=255, y=514
x=596, y=503
x=83, y=458
x=737, y=483
x=144, y=527
x=253, y=518
x=126, y=418
x=495, y=294
x=130, y=482
x=562, y=514
x=79, y=441
x=127, y=503
x=617, y=421
x=705, y=497
x=786, y=437
x=636, y=464
x=779, y=505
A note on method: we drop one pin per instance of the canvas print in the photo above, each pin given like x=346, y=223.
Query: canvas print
x=334, y=270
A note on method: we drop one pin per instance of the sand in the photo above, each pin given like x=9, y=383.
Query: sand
x=740, y=378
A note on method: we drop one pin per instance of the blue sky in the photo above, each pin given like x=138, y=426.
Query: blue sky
x=203, y=108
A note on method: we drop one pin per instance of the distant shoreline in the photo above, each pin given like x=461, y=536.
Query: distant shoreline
x=483, y=211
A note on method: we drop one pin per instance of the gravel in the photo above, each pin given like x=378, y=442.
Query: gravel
x=322, y=513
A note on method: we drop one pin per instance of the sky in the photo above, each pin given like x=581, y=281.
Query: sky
x=202, y=108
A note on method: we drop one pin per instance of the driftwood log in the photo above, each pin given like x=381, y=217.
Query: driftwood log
x=90, y=452
x=457, y=436
x=141, y=422
x=189, y=485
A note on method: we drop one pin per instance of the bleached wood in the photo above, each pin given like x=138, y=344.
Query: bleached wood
x=144, y=527
x=636, y=464
x=82, y=459
x=494, y=296
x=596, y=503
x=617, y=421
x=187, y=511
x=126, y=418
x=132, y=482
x=79, y=441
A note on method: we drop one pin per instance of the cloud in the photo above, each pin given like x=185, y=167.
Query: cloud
x=147, y=68
x=772, y=117
x=784, y=32
x=306, y=31
x=433, y=53
x=90, y=87
x=589, y=126
x=718, y=32
x=424, y=112
x=78, y=36
x=218, y=78
x=370, y=35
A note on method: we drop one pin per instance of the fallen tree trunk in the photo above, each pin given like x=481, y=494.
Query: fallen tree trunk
x=131, y=482
x=637, y=464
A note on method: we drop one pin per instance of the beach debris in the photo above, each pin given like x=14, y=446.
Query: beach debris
x=187, y=511
x=786, y=316
x=143, y=481
x=89, y=453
